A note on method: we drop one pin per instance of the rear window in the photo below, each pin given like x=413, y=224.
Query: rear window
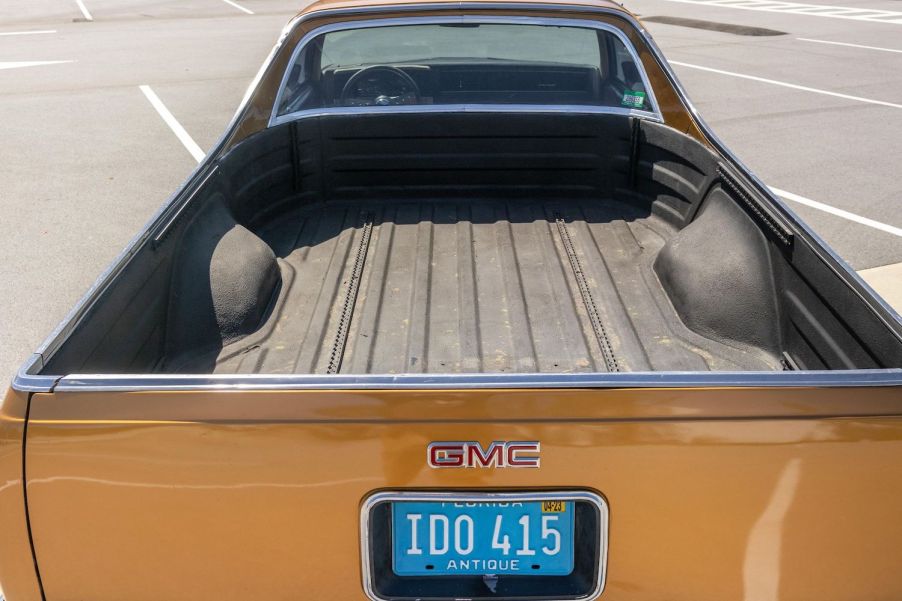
x=465, y=63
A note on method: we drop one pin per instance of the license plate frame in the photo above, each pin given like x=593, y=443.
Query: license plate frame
x=585, y=582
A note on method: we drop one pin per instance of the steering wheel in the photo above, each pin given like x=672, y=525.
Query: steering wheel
x=379, y=85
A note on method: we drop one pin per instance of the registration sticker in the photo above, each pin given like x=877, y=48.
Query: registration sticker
x=554, y=507
x=633, y=99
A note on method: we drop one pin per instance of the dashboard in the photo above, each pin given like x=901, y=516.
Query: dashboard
x=461, y=83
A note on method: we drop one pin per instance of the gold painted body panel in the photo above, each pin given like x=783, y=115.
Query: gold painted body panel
x=715, y=494
x=18, y=580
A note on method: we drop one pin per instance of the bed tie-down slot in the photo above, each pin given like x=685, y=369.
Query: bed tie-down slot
x=352, y=287
x=607, y=351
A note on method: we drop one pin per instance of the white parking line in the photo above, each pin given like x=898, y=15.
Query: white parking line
x=789, y=85
x=84, y=10
x=238, y=6
x=27, y=32
x=850, y=45
x=20, y=64
x=811, y=10
x=877, y=225
x=174, y=125
x=890, y=229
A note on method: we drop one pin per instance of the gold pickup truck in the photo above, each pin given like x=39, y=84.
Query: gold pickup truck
x=468, y=303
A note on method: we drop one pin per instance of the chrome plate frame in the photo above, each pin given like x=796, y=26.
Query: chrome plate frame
x=378, y=498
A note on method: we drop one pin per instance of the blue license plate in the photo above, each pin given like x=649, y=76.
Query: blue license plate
x=435, y=538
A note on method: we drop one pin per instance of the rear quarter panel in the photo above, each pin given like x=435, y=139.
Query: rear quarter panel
x=714, y=493
x=18, y=579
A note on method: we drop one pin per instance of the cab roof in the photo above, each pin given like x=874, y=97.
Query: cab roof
x=324, y=5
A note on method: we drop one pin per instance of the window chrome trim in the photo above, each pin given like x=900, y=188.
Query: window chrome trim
x=654, y=114
x=468, y=108
x=477, y=497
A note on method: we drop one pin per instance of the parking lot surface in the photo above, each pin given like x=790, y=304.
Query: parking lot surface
x=107, y=105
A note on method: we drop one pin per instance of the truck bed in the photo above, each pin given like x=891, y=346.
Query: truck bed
x=476, y=286
x=467, y=243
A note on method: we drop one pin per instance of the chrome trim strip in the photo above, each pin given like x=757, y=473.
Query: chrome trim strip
x=172, y=217
x=475, y=497
x=817, y=379
x=276, y=119
x=25, y=381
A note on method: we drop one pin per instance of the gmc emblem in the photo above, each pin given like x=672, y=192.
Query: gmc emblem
x=471, y=454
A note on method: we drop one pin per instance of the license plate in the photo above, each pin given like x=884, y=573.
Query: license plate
x=448, y=538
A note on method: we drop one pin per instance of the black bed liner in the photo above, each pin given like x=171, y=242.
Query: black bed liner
x=475, y=242
x=476, y=286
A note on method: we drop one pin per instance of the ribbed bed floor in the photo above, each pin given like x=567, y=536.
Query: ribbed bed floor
x=473, y=287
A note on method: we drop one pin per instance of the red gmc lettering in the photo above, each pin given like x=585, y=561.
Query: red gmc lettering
x=446, y=455
x=471, y=454
x=515, y=457
x=492, y=458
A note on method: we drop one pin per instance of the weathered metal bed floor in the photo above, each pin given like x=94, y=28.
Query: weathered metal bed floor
x=486, y=286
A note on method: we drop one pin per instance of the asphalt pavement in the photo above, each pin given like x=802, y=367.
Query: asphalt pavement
x=814, y=107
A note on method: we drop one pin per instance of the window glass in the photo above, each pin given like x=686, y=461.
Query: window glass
x=464, y=63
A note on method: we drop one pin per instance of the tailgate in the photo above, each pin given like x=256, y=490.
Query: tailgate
x=713, y=493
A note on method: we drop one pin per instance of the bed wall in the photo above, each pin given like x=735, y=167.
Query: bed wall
x=735, y=271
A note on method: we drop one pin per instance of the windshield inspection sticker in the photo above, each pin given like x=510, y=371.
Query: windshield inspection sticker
x=633, y=99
